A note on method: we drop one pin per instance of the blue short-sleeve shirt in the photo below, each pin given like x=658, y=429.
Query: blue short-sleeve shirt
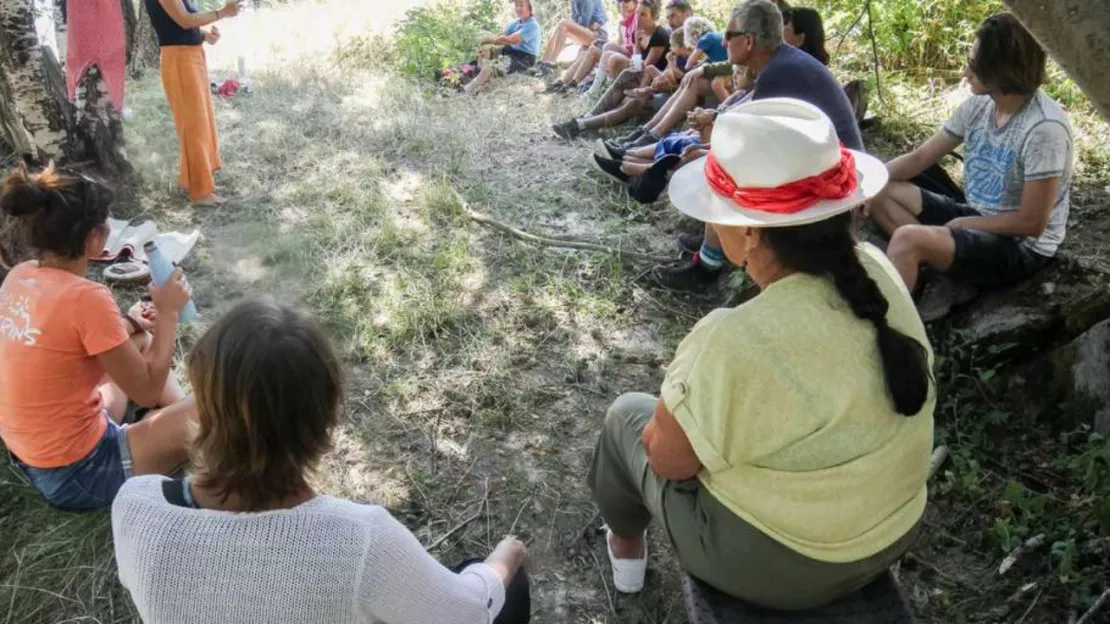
x=529, y=31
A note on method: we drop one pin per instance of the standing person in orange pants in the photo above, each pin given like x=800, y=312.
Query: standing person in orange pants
x=181, y=33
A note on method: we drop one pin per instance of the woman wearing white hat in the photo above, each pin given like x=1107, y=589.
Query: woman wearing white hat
x=787, y=456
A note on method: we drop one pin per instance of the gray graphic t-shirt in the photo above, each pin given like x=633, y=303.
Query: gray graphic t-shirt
x=1036, y=144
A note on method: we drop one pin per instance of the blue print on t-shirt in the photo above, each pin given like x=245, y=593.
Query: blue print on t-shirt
x=986, y=169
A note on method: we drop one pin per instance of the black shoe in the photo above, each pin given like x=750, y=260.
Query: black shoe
x=568, y=88
x=609, y=167
x=690, y=277
x=647, y=187
x=567, y=130
x=555, y=87
x=630, y=137
x=615, y=151
x=690, y=243
x=643, y=140
x=542, y=69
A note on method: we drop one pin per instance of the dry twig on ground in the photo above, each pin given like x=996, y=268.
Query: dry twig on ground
x=544, y=241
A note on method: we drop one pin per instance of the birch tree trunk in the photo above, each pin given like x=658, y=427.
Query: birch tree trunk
x=1077, y=34
x=34, y=81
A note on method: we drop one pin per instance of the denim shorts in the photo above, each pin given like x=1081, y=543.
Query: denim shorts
x=675, y=143
x=91, y=483
x=982, y=259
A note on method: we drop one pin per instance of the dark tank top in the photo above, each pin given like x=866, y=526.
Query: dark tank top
x=168, y=31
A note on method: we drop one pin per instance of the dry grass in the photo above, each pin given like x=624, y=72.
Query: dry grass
x=472, y=357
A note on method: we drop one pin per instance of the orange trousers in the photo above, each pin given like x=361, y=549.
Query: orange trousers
x=185, y=79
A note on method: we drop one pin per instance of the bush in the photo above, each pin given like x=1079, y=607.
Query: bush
x=442, y=34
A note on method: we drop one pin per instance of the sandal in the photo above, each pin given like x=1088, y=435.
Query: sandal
x=127, y=273
x=628, y=574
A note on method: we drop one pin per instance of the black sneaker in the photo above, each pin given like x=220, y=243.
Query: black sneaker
x=690, y=243
x=647, y=187
x=568, y=88
x=555, y=87
x=689, y=277
x=542, y=69
x=567, y=130
x=643, y=140
x=614, y=150
x=609, y=167
x=630, y=137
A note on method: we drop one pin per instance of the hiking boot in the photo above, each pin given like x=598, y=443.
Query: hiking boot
x=940, y=294
x=689, y=277
x=542, y=69
x=568, y=130
x=609, y=167
x=690, y=244
x=614, y=150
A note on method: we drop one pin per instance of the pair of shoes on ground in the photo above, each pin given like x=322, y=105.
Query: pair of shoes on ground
x=559, y=87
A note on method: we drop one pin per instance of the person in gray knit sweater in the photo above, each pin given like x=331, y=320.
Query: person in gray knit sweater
x=245, y=538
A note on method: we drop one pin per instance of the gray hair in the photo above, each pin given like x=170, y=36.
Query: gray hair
x=695, y=28
x=761, y=18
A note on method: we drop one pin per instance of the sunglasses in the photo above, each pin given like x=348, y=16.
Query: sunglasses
x=731, y=34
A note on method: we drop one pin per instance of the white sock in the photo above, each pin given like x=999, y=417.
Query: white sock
x=580, y=123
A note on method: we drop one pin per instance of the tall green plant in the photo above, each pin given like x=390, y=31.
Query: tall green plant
x=442, y=34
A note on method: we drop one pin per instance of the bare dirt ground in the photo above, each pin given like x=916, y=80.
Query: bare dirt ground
x=480, y=368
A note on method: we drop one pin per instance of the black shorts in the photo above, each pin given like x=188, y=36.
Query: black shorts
x=519, y=61
x=982, y=258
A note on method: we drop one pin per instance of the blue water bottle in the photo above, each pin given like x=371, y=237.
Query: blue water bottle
x=160, y=271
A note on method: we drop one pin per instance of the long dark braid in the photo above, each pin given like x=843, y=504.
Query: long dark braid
x=827, y=249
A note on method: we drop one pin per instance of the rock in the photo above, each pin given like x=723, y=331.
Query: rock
x=1027, y=320
x=1071, y=382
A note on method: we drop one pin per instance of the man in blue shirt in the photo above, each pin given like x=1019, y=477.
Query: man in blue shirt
x=521, y=41
x=586, y=27
x=754, y=39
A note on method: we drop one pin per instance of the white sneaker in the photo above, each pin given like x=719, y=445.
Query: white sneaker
x=628, y=574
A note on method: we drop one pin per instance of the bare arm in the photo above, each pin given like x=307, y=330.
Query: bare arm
x=176, y=10
x=654, y=55
x=910, y=165
x=1037, y=199
x=514, y=39
x=695, y=59
x=669, y=452
x=143, y=378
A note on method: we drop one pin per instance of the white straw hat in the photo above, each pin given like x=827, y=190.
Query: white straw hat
x=783, y=144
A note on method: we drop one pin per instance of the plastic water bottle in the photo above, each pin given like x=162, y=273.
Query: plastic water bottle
x=160, y=271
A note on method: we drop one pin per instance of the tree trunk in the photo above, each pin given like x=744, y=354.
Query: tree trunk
x=98, y=128
x=35, y=82
x=143, y=52
x=1077, y=34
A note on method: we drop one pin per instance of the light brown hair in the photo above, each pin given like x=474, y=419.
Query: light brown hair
x=268, y=389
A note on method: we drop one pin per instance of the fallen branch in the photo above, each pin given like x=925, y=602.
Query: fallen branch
x=1011, y=559
x=545, y=241
x=458, y=527
x=940, y=454
x=1095, y=607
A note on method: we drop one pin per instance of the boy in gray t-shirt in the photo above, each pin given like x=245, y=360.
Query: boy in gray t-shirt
x=1017, y=173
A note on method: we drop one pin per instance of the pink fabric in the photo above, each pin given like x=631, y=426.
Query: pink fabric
x=629, y=24
x=95, y=35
